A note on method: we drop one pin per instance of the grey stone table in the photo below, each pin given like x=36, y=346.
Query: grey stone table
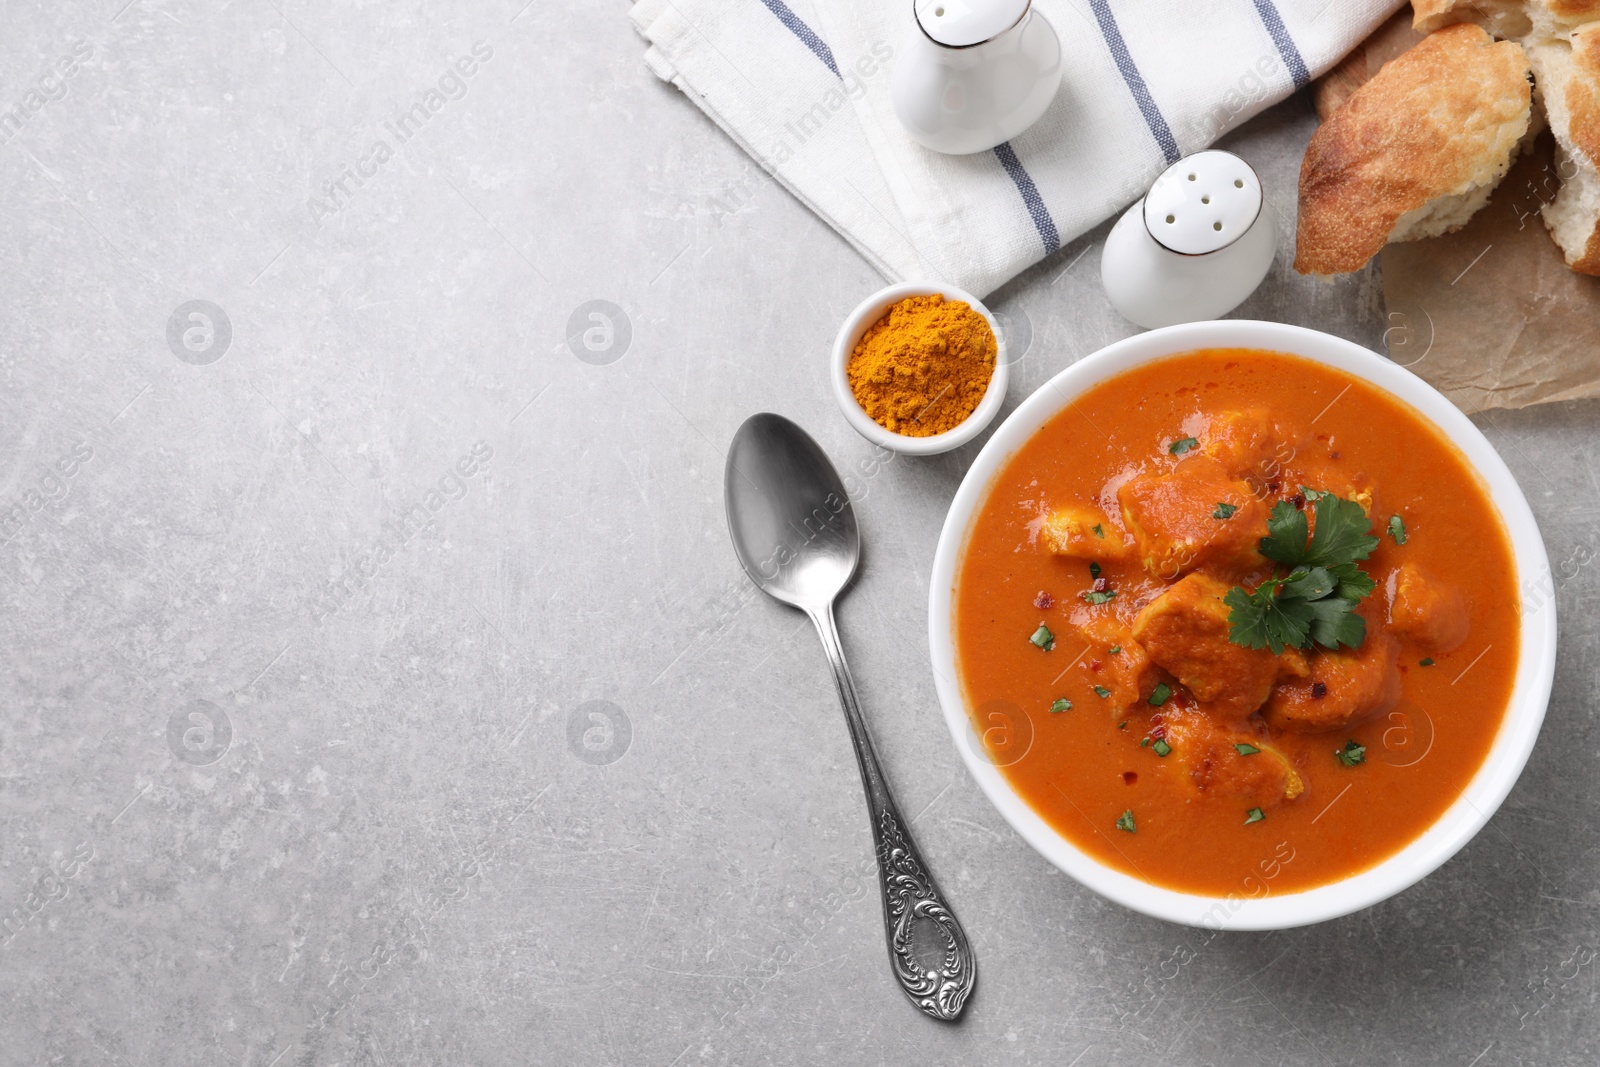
x=381, y=688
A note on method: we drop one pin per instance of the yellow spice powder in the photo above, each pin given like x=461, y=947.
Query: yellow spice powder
x=923, y=367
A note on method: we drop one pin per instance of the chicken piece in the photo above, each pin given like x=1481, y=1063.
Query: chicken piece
x=1083, y=533
x=1177, y=519
x=1431, y=613
x=1341, y=687
x=1185, y=631
x=1216, y=768
x=1127, y=673
x=1247, y=444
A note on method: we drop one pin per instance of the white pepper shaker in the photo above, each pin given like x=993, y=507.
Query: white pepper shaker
x=1199, y=242
x=974, y=73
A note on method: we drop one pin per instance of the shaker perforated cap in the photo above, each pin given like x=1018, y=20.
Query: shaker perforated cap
x=960, y=23
x=1203, y=203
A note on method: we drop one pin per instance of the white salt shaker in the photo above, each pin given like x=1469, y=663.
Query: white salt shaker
x=974, y=73
x=1200, y=241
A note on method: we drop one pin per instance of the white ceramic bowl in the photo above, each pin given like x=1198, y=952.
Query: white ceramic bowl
x=870, y=311
x=1453, y=829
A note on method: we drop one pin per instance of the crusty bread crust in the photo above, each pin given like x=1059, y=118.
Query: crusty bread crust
x=1441, y=121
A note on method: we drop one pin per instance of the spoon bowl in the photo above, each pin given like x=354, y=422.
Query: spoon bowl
x=792, y=525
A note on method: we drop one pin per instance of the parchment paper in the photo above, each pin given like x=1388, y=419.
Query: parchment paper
x=1490, y=315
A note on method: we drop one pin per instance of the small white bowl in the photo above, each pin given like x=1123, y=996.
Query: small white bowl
x=861, y=319
x=1455, y=827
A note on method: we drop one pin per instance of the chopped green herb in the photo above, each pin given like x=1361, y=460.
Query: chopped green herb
x=1312, y=495
x=1043, y=637
x=1115, y=650
x=1091, y=597
x=1254, y=815
x=1224, y=511
x=1162, y=748
x=1144, y=742
x=1101, y=691
x=1351, y=754
x=1246, y=750
x=1397, y=529
x=1315, y=603
x=1182, y=445
x=1094, y=570
x=1159, y=695
x=1099, y=531
x=1426, y=661
x=1126, y=822
x=1123, y=725
x=1061, y=704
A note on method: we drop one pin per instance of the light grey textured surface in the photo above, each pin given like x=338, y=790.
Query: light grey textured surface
x=405, y=853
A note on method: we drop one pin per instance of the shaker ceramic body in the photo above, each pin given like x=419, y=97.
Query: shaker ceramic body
x=1198, y=243
x=974, y=73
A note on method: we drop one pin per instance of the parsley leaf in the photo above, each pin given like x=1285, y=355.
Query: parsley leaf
x=1224, y=511
x=1342, y=534
x=1426, y=661
x=1043, y=638
x=1094, y=570
x=1161, y=748
x=1315, y=603
x=1126, y=822
x=1159, y=695
x=1061, y=704
x=1351, y=754
x=1397, y=529
x=1101, y=691
x=1254, y=815
x=1312, y=495
x=1114, y=649
x=1287, y=531
x=1182, y=445
x=1334, y=622
x=1099, y=531
x=1091, y=597
x=1245, y=750
x=1260, y=620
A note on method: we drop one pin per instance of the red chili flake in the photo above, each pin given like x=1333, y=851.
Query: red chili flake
x=1102, y=585
x=1043, y=600
x=1094, y=665
x=1157, y=719
x=1181, y=698
x=1274, y=487
x=1319, y=690
x=1158, y=732
x=1129, y=777
x=1333, y=455
x=1299, y=501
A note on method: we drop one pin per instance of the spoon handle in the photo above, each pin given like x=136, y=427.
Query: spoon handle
x=928, y=950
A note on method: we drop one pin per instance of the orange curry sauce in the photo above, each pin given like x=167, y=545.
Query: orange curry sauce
x=1428, y=729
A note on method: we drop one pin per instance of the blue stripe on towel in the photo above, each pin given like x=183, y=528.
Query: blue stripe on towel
x=806, y=34
x=1130, y=74
x=1030, y=197
x=1286, y=47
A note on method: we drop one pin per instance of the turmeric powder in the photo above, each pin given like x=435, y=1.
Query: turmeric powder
x=924, y=366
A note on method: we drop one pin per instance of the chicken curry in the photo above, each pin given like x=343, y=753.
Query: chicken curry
x=1253, y=615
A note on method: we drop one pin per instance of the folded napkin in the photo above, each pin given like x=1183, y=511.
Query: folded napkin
x=803, y=87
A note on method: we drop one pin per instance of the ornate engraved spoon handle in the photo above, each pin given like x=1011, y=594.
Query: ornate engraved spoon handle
x=928, y=950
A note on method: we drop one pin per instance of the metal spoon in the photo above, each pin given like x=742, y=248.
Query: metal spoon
x=795, y=533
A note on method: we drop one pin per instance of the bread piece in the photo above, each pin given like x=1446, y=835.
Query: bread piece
x=1569, y=77
x=1507, y=19
x=1514, y=20
x=1415, y=152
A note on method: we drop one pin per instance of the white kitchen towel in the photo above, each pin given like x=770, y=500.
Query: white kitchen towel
x=803, y=87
